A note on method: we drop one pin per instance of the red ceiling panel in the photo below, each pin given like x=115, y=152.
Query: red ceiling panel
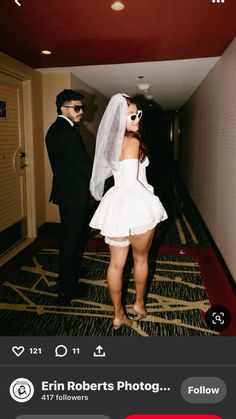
x=86, y=32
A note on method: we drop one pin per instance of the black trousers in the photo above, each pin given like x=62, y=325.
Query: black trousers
x=73, y=237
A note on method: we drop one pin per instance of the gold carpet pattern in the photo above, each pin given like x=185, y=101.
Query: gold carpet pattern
x=176, y=299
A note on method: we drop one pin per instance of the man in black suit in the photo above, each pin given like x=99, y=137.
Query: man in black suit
x=71, y=167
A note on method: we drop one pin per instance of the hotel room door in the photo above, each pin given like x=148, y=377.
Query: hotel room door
x=13, y=208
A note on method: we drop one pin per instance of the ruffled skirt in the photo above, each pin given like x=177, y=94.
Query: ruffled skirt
x=123, y=212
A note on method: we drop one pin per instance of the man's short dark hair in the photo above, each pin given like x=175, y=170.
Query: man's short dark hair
x=66, y=96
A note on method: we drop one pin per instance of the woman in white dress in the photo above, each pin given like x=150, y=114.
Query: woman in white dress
x=129, y=211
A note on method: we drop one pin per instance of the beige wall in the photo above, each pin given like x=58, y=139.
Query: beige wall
x=16, y=67
x=208, y=152
x=37, y=101
x=95, y=103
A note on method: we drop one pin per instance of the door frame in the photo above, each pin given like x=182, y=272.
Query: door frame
x=29, y=147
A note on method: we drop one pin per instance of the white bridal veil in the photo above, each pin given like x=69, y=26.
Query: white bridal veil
x=108, y=143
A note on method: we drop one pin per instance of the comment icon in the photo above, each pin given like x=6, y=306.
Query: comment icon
x=61, y=351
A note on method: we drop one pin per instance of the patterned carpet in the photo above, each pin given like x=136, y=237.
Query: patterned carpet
x=176, y=299
x=184, y=275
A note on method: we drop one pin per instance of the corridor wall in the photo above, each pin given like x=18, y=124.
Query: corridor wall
x=208, y=152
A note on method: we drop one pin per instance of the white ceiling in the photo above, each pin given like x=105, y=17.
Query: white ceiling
x=171, y=82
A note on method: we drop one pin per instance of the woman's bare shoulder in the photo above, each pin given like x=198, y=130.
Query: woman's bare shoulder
x=130, y=148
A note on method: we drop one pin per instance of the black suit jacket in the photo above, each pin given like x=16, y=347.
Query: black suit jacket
x=70, y=163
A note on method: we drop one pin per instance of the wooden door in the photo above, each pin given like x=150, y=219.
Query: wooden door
x=13, y=208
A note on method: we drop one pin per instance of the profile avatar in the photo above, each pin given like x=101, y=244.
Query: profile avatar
x=21, y=390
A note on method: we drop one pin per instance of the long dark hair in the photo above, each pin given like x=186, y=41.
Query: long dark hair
x=143, y=150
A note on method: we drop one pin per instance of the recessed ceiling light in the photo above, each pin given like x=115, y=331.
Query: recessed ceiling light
x=143, y=86
x=117, y=6
x=46, y=52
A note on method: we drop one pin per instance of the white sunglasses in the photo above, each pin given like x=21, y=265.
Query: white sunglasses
x=136, y=115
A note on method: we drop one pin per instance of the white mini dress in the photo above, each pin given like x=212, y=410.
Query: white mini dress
x=130, y=206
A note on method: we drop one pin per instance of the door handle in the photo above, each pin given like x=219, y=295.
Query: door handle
x=19, y=161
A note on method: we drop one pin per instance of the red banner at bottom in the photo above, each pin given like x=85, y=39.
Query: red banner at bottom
x=173, y=417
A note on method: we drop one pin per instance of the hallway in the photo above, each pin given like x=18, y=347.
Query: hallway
x=184, y=74
x=186, y=278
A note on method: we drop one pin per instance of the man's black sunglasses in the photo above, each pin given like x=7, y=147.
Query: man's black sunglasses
x=76, y=108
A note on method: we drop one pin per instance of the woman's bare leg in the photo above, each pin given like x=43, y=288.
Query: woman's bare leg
x=140, y=245
x=114, y=279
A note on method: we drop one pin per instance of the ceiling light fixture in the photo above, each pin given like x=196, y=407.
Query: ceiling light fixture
x=117, y=6
x=46, y=52
x=143, y=86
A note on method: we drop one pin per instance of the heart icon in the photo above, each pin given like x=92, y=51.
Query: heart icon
x=18, y=350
